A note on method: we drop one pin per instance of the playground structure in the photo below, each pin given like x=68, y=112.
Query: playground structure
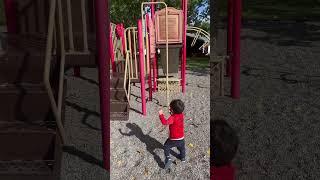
x=134, y=53
x=46, y=36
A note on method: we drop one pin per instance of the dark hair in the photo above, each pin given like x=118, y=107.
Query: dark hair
x=177, y=106
x=224, y=143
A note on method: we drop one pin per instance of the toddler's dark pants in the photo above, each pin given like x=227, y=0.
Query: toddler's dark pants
x=180, y=144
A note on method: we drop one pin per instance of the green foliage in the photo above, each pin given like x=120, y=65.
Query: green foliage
x=128, y=12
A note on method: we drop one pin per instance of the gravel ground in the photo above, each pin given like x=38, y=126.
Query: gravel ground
x=277, y=117
x=139, y=155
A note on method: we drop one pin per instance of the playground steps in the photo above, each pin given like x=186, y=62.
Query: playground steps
x=30, y=144
x=119, y=106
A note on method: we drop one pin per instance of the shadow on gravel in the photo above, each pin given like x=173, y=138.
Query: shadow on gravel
x=285, y=33
x=151, y=143
x=86, y=115
x=83, y=155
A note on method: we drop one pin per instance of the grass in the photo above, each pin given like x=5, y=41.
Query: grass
x=196, y=63
x=277, y=9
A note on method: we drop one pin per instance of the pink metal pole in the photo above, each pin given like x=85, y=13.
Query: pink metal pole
x=113, y=64
x=235, y=75
x=150, y=62
x=11, y=16
x=102, y=29
x=155, y=58
x=141, y=57
x=76, y=71
x=184, y=55
x=229, y=44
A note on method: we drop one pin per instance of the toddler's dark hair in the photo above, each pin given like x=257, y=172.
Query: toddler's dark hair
x=224, y=143
x=177, y=106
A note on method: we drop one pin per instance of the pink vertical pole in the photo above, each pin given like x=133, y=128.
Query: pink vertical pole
x=235, y=75
x=141, y=57
x=230, y=27
x=184, y=55
x=155, y=64
x=11, y=16
x=102, y=21
x=155, y=58
x=123, y=40
x=150, y=62
x=76, y=71
x=113, y=64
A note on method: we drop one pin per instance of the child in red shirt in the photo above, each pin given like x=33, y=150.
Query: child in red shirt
x=176, y=128
x=224, y=144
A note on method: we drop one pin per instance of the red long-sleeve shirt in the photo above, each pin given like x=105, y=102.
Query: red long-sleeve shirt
x=222, y=173
x=176, y=125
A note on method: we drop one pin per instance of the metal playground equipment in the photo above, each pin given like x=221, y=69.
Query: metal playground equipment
x=138, y=53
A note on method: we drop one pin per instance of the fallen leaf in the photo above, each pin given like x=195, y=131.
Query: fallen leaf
x=208, y=152
x=190, y=145
x=119, y=163
x=146, y=171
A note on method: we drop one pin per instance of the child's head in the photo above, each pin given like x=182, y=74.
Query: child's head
x=176, y=106
x=224, y=143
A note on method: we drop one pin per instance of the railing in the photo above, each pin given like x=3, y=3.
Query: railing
x=127, y=79
x=131, y=51
x=52, y=28
x=199, y=32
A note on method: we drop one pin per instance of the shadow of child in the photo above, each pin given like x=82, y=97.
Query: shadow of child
x=151, y=143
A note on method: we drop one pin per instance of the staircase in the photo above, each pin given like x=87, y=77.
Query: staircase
x=119, y=105
x=30, y=142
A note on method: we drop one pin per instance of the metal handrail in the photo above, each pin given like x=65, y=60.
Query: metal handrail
x=56, y=108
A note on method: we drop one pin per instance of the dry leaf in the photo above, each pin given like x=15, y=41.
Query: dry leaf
x=146, y=171
x=208, y=151
x=190, y=145
x=119, y=163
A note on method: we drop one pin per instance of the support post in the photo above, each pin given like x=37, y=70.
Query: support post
x=11, y=16
x=142, y=69
x=229, y=38
x=76, y=71
x=235, y=75
x=102, y=29
x=184, y=49
x=113, y=63
x=150, y=59
x=155, y=59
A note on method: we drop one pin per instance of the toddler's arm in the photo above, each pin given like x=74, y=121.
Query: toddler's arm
x=163, y=119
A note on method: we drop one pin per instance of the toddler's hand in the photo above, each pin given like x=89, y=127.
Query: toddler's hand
x=160, y=112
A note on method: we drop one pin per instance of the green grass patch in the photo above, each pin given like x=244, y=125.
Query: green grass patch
x=198, y=62
x=278, y=10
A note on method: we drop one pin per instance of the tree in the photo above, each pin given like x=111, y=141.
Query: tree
x=128, y=12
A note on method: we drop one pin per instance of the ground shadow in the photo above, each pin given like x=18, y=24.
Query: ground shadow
x=83, y=155
x=151, y=143
x=86, y=115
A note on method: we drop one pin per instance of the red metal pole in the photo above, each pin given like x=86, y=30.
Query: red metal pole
x=155, y=73
x=113, y=64
x=76, y=71
x=229, y=44
x=184, y=55
x=102, y=26
x=235, y=75
x=141, y=57
x=150, y=62
x=11, y=16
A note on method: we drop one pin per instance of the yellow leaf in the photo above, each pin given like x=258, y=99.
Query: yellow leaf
x=208, y=151
x=119, y=163
x=146, y=172
x=190, y=145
